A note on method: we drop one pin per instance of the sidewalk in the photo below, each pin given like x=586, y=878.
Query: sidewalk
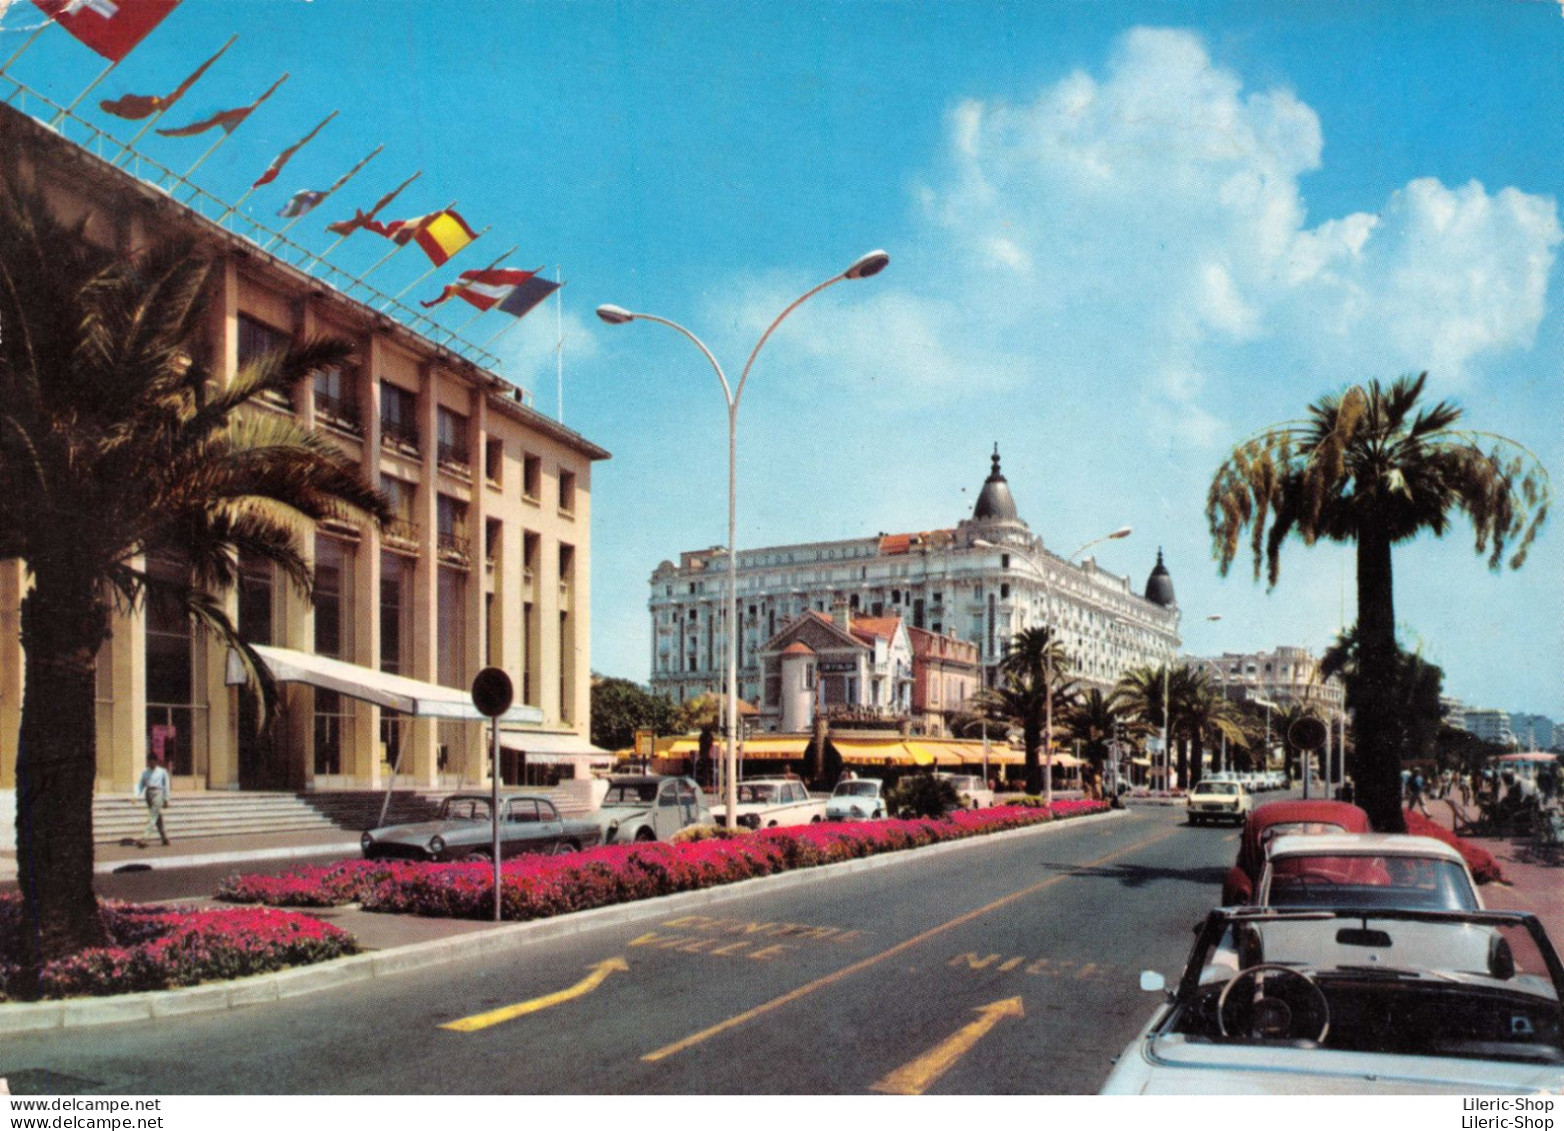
x=192, y=852
x=1528, y=886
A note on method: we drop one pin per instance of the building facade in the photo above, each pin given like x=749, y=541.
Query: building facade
x=981, y=582
x=487, y=563
x=945, y=677
x=840, y=668
x=1491, y=725
x=1283, y=677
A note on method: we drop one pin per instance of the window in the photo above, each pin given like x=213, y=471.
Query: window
x=170, y=675
x=452, y=624
x=531, y=477
x=398, y=416
x=395, y=610
x=255, y=600
x=452, y=540
x=336, y=400
x=256, y=340
x=452, y=440
x=567, y=491
x=493, y=460
x=493, y=533
x=399, y=493
x=333, y=599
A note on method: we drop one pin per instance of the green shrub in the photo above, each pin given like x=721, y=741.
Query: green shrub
x=923, y=795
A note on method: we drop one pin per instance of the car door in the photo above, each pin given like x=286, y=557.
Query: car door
x=551, y=827
x=666, y=814
x=521, y=827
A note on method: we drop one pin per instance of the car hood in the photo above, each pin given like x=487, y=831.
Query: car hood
x=421, y=831
x=606, y=813
x=1175, y=1065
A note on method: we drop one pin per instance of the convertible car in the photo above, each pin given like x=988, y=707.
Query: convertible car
x=1355, y=1002
x=463, y=830
x=1283, y=818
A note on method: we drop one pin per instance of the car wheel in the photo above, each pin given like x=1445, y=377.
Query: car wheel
x=642, y=835
x=479, y=854
x=814, y=820
x=564, y=846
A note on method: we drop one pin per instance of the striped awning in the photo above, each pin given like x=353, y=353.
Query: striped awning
x=935, y=753
x=869, y=753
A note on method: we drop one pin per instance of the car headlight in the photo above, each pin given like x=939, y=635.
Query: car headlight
x=364, y=842
x=436, y=845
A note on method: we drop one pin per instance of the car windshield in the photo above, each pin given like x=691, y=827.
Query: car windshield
x=857, y=789
x=1221, y=787
x=757, y=794
x=1354, y=880
x=631, y=793
x=464, y=809
x=1476, y=985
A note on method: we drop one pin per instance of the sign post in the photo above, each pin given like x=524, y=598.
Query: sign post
x=492, y=693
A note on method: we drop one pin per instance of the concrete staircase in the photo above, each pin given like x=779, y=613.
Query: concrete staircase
x=117, y=817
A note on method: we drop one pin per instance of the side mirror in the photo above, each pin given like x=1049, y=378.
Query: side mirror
x=1152, y=982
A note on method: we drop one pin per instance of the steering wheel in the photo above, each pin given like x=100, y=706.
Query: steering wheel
x=1277, y=1007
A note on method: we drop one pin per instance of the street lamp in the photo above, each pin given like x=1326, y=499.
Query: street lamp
x=1221, y=673
x=1121, y=532
x=861, y=268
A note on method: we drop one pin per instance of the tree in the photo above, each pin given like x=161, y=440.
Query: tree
x=1413, y=715
x=120, y=449
x=1037, y=661
x=620, y=708
x=1144, y=692
x=1094, y=718
x=1204, y=715
x=1371, y=468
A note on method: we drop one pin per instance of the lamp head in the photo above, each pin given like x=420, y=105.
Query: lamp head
x=867, y=265
x=614, y=315
x=1122, y=532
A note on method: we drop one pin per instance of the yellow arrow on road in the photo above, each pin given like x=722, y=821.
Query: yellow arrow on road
x=914, y=1078
x=599, y=975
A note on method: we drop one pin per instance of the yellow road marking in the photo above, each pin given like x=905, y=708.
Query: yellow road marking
x=599, y=975
x=914, y=1077
x=907, y=944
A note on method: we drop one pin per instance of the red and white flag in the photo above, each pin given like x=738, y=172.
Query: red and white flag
x=485, y=288
x=226, y=120
x=112, y=28
x=286, y=155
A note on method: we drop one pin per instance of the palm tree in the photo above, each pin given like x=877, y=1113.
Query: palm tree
x=1037, y=660
x=1204, y=715
x=119, y=449
x=1372, y=468
x=1094, y=718
x=1155, y=697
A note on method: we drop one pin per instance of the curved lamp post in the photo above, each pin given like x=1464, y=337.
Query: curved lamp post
x=861, y=268
x=1048, y=726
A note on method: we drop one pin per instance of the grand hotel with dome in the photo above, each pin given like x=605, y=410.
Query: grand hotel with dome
x=981, y=582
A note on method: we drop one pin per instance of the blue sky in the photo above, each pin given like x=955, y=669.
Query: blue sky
x=1123, y=236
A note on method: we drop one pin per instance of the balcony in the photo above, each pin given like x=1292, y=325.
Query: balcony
x=395, y=434
x=454, y=458
x=339, y=413
x=401, y=534
x=453, y=548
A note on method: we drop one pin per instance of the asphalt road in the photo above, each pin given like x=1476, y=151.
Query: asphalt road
x=1006, y=967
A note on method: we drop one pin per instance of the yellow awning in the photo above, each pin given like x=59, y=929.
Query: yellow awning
x=936, y=753
x=778, y=748
x=872, y=753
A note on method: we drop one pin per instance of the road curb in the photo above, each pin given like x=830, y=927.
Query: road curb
x=214, y=997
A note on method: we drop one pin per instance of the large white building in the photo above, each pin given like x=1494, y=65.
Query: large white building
x=1282, y=677
x=982, y=581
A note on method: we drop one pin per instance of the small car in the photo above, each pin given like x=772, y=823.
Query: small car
x=1219, y=801
x=1279, y=818
x=464, y=830
x=649, y=807
x=1337, y=1001
x=1366, y=870
x=856, y=799
x=971, y=790
x=769, y=803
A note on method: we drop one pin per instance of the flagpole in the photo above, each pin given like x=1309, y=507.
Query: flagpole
x=158, y=117
x=490, y=267
x=321, y=258
x=234, y=207
x=375, y=267
x=437, y=266
x=31, y=39
x=351, y=174
x=93, y=85
x=559, y=344
x=227, y=133
x=514, y=322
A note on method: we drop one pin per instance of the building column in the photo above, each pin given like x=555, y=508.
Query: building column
x=424, y=734
x=367, y=758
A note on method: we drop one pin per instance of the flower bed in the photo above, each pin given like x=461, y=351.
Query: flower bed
x=157, y=948
x=535, y=887
x=1485, y=869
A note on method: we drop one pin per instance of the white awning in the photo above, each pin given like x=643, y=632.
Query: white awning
x=395, y=692
x=554, y=746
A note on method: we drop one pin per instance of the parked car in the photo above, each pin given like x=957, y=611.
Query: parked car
x=856, y=799
x=649, y=807
x=971, y=790
x=1279, y=818
x=1366, y=870
x=768, y=803
x=1355, y=1002
x=1218, y=801
x=464, y=830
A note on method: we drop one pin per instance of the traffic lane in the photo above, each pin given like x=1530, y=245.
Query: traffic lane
x=384, y=1037
x=1068, y=954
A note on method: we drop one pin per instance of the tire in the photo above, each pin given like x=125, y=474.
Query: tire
x=479, y=854
x=564, y=846
x=643, y=835
x=814, y=820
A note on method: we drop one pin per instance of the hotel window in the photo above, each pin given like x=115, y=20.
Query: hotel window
x=493, y=460
x=567, y=492
x=399, y=493
x=452, y=447
x=531, y=478
x=256, y=599
x=398, y=416
x=256, y=340
x=452, y=530
x=336, y=400
x=333, y=637
x=170, y=673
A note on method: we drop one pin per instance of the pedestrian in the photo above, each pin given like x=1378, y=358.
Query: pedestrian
x=1415, y=793
x=154, y=789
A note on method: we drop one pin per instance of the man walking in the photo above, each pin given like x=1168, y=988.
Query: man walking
x=154, y=788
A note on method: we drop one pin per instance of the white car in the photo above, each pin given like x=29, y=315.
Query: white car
x=1367, y=870
x=769, y=803
x=1218, y=801
x=856, y=799
x=971, y=790
x=1355, y=1002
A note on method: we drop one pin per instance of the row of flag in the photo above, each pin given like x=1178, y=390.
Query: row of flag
x=113, y=28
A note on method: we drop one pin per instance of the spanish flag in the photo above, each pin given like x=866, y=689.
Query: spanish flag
x=440, y=234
